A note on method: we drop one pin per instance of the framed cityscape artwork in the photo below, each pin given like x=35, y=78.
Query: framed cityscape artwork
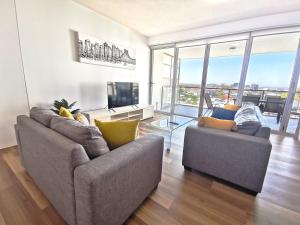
x=96, y=51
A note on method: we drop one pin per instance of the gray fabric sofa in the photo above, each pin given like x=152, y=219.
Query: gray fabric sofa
x=238, y=157
x=104, y=190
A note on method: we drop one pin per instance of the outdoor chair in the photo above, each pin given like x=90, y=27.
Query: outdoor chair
x=275, y=104
x=251, y=98
x=210, y=105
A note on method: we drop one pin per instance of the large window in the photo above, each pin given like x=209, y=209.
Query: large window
x=269, y=74
x=162, y=69
x=224, y=71
x=190, y=66
x=257, y=67
x=293, y=121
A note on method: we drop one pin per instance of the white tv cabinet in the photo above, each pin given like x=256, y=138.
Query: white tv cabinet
x=141, y=112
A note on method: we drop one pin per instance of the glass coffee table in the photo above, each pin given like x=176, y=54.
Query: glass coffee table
x=170, y=124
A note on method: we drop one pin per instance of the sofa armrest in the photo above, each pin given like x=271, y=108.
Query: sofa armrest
x=237, y=158
x=109, y=188
x=50, y=158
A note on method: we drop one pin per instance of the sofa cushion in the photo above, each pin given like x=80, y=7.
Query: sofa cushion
x=42, y=116
x=247, y=120
x=247, y=112
x=223, y=114
x=88, y=136
x=118, y=133
x=217, y=123
x=231, y=107
x=248, y=128
x=82, y=119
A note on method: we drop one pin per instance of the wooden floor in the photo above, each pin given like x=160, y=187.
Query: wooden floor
x=182, y=198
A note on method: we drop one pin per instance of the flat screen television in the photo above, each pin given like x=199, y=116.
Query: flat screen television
x=122, y=94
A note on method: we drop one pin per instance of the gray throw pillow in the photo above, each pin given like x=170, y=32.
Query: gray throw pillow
x=248, y=128
x=42, y=116
x=88, y=136
x=247, y=120
x=263, y=132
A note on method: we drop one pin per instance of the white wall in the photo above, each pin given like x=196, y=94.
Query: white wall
x=13, y=100
x=49, y=52
x=258, y=23
x=47, y=36
x=48, y=46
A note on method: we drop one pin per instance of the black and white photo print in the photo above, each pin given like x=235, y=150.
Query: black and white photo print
x=97, y=51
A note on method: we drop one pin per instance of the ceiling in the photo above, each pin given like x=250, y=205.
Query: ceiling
x=154, y=17
x=263, y=44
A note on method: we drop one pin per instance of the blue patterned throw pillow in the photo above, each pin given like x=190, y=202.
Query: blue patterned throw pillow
x=223, y=114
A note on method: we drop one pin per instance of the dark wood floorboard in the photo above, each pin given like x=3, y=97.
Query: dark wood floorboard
x=182, y=197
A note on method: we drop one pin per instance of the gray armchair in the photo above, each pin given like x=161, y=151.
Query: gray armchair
x=237, y=158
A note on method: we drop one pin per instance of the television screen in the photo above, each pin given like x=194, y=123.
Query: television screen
x=122, y=94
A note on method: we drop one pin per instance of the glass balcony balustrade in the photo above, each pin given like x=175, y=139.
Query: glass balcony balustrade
x=187, y=102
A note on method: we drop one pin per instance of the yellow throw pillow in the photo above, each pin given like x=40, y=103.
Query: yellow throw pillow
x=82, y=119
x=65, y=113
x=232, y=107
x=217, y=123
x=118, y=133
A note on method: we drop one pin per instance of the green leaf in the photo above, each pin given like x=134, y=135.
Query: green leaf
x=56, y=111
x=72, y=104
x=65, y=103
x=57, y=104
x=74, y=112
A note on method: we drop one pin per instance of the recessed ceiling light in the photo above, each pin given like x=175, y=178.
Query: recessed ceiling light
x=215, y=1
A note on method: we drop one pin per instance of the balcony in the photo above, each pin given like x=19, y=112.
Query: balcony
x=188, y=96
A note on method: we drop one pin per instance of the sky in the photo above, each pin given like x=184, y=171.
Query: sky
x=266, y=70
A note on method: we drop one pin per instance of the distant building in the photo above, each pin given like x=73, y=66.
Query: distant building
x=254, y=86
x=235, y=85
x=104, y=52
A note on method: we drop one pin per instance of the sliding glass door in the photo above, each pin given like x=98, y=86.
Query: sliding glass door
x=291, y=116
x=269, y=75
x=256, y=67
x=161, y=79
x=293, y=125
x=189, y=77
x=224, y=71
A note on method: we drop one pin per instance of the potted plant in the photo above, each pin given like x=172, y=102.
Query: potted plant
x=64, y=103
